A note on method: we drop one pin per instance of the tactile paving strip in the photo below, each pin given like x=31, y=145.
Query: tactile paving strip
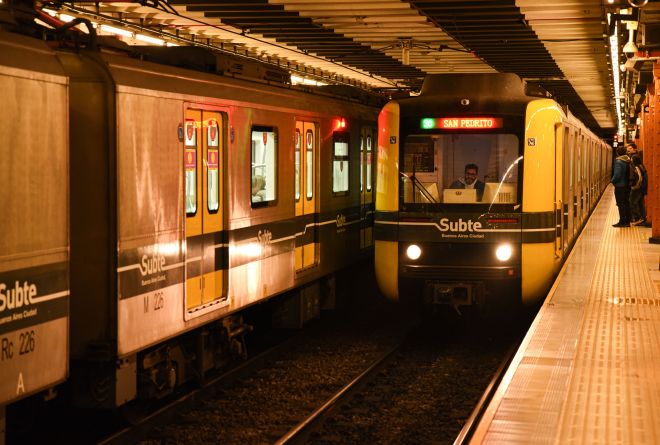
x=614, y=395
x=588, y=371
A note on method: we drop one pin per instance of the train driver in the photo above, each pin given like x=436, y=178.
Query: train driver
x=470, y=181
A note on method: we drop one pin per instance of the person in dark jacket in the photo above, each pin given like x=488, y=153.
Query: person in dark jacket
x=620, y=175
x=470, y=181
x=638, y=190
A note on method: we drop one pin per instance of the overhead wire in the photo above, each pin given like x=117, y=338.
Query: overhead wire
x=82, y=11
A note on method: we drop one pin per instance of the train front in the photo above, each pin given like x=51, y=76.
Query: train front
x=448, y=206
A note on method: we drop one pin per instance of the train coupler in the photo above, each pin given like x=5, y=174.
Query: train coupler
x=452, y=294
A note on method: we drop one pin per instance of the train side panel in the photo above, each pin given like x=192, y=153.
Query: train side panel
x=259, y=241
x=34, y=237
x=155, y=280
x=153, y=277
x=162, y=258
x=261, y=237
x=150, y=268
x=539, y=262
x=155, y=256
x=387, y=202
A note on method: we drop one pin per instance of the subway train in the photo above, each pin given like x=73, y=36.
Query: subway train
x=481, y=192
x=146, y=204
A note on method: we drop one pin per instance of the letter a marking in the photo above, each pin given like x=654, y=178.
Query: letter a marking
x=20, y=386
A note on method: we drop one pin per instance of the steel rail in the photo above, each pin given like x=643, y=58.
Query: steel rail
x=137, y=432
x=301, y=432
x=472, y=422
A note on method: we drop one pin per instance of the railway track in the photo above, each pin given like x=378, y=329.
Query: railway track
x=344, y=383
x=472, y=422
x=424, y=391
x=349, y=378
x=268, y=396
x=301, y=432
x=168, y=413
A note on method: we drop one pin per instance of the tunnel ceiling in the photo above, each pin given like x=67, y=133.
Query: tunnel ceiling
x=560, y=45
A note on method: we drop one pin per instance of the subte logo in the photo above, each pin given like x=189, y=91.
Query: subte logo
x=265, y=237
x=19, y=296
x=459, y=226
x=151, y=265
x=341, y=223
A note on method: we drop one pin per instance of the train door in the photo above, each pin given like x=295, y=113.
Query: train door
x=573, y=150
x=206, y=271
x=306, y=161
x=585, y=179
x=580, y=195
x=594, y=172
x=367, y=137
x=589, y=165
x=567, y=192
x=585, y=172
x=560, y=230
x=595, y=160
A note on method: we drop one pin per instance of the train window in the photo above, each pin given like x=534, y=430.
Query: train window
x=340, y=157
x=461, y=168
x=362, y=159
x=190, y=164
x=369, y=162
x=264, y=158
x=309, y=168
x=297, y=165
x=212, y=161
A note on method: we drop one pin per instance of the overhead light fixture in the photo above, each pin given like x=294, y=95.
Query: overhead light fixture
x=614, y=54
x=149, y=39
x=116, y=31
x=66, y=18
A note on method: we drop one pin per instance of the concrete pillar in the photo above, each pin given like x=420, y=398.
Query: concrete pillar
x=652, y=158
x=649, y=128
x=645, y=138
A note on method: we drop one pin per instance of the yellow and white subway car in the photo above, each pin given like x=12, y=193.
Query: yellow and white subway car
x=153, y=194
x=481, y=191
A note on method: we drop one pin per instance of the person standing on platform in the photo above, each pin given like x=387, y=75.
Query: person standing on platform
x=631, y=149
x=620, y=180
x=638, y=190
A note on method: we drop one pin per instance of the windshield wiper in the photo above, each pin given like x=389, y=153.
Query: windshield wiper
x=506, y=174
x=418, y=184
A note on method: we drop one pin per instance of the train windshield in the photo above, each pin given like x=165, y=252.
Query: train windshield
x=461, y=169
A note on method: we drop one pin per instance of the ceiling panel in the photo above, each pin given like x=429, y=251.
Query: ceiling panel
x=392, y=44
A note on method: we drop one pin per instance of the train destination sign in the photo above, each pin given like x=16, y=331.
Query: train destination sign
x=461, y=123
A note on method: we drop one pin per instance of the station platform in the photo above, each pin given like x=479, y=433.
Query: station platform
x=588, y=370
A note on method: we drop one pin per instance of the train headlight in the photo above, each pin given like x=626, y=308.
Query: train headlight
x=503, y=252
x=413, y=251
